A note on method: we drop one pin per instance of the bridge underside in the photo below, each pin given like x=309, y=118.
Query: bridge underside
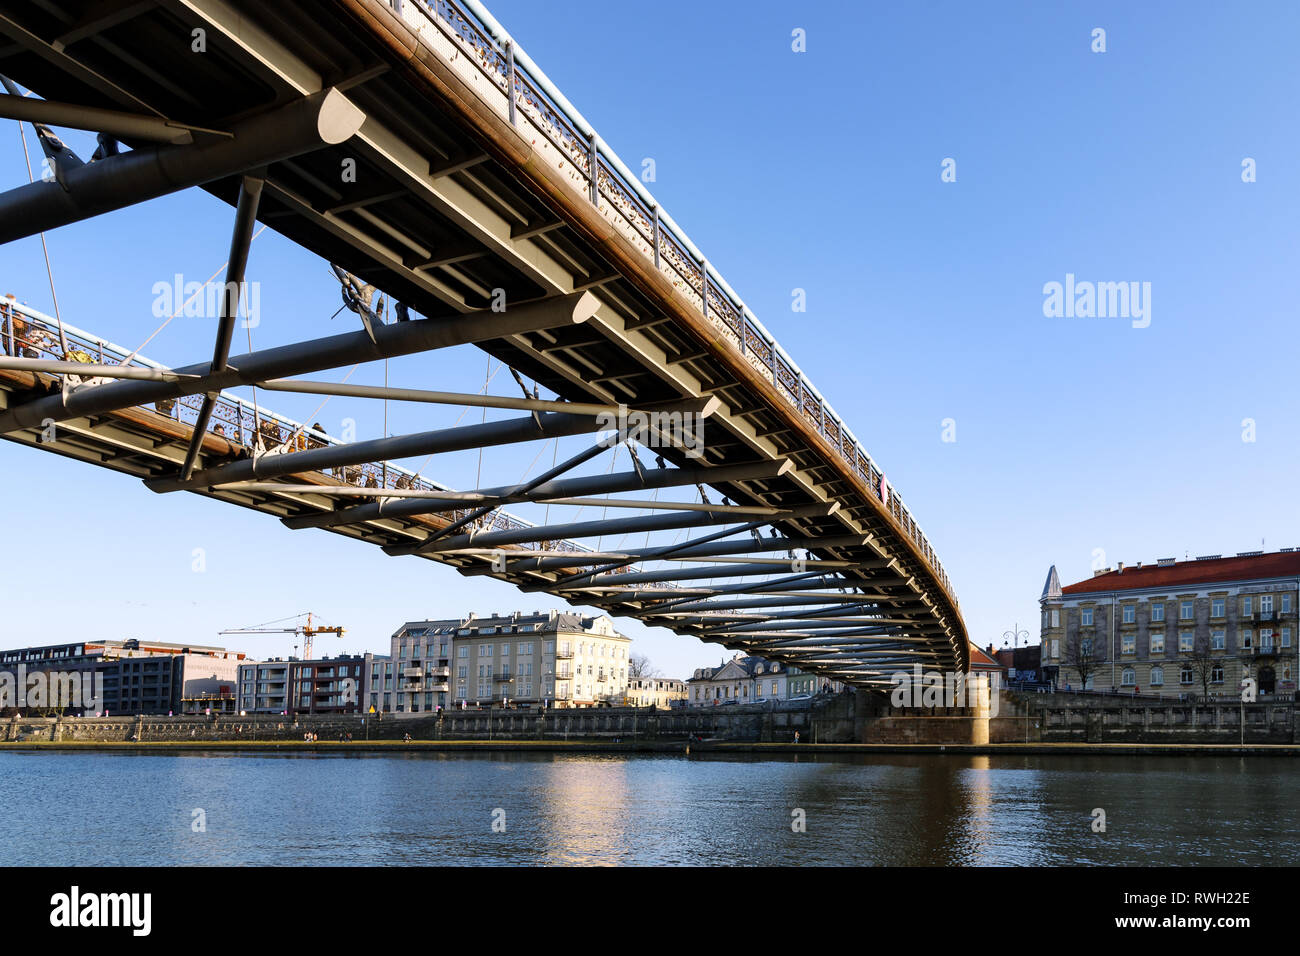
x=459, y=201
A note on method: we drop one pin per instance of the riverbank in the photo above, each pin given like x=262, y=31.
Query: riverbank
x=698, y=748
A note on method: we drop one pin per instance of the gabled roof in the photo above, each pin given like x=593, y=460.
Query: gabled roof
x=1279, y=564
x=980, y=660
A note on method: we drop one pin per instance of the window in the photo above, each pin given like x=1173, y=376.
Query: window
x=1130, y=613
x=1246, y=638
x=1266, y=604
x=1128, y=645
x=462, y=652
x=1186, y=610
x=1185, y=676
x=1158, y=611
x=1265, y=638
x=1158, y=642
x=485, y=650
x=1286, y=604
x=1216, y=674
x=1216, y=607
x=1129, y=677
x=1085, y=647
x=1056, y=618
x=1245, y=606
x=1185, y=641
x=1085, y=617
x=1216, y=640
x=1286, y=637
x=1157, y=676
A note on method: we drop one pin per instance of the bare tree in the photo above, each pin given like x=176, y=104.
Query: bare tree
x=1085, y=656
x=1202, y=662
x=640, y=668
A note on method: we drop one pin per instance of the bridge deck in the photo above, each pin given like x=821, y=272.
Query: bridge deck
x=463, y=190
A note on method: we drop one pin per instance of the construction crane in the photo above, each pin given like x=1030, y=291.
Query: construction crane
x=308, y=631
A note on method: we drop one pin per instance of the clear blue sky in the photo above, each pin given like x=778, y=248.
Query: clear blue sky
x=816, y=170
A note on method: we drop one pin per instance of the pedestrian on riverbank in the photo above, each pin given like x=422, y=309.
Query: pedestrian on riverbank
x=796, y=736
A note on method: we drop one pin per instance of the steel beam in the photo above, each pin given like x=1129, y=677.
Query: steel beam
x=680, y=574
x=567, y=465
x=561, y=532
x=250, y=194
x=588, y=485
x=690, y=550
x=322, y=119
x=475, y=400
x=510, y=431
x=399, y=338
x=116, y=123
x=91, y=369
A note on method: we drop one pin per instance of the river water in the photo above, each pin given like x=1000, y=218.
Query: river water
x=87, y=809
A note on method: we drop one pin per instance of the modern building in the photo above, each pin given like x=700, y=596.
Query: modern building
x=655, y=692
x=547, y=658
x=140, y=677
x=327, y=685
x=1193, y=627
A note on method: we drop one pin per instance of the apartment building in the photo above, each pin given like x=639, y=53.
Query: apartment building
x=327, y=685
x=1173, y=628
x=550, y=658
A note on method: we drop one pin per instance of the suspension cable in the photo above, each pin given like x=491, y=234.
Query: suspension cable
x=63, y=338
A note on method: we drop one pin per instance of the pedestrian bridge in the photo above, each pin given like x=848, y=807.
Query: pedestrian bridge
x=484, y=203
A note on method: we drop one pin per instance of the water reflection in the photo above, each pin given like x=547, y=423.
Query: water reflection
x=104, y=809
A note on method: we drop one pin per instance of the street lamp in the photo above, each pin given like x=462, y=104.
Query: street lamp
x=1014, y=635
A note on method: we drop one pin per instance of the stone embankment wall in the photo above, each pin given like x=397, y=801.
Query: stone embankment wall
x=826, y=720
x=1067, y=718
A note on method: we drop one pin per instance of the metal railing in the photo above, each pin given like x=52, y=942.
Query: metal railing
x=622, y=199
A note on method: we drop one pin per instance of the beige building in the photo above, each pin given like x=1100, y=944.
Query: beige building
x=549, y=658
x=655, y=691
x=1176, y=628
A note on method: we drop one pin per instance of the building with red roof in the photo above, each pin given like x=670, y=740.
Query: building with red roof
x=1196, y=628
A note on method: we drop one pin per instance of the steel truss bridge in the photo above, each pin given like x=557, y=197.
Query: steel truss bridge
x=474, y=179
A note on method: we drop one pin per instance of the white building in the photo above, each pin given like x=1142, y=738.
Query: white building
x=549, y=658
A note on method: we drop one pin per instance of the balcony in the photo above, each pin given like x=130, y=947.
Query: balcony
x=503, y=679
x=439, y=671
x=564, y=655
x=413, y=672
